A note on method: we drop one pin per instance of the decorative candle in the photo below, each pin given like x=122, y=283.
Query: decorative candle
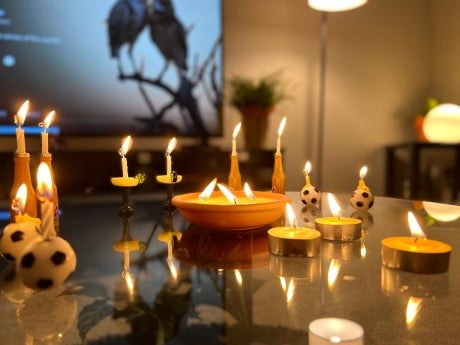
x=236, y=130
x=416, y=254
x=18, y=207
x=280, y=132
x=362, y=198
x=309, y=195
x=19, y=120
x=294, y=241
x=169, y=149
x=206, y=193
x=338, y=228
x=45, y=194
x=331, y=330
x=46, y=124
x=126, y=145
x=278, y=177
x=229, y=195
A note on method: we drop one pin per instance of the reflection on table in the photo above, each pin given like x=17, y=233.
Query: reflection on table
x=200, y=286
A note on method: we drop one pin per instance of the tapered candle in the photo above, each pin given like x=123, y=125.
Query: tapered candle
x=169, y=149
x=126, y=145
x=280, y=132
x=19, y=120
x=45, y=194
x=236, y=130
x=46, y=124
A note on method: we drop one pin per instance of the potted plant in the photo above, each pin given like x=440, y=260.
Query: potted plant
x=256, y=99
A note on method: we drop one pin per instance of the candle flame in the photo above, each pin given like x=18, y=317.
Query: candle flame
x=334, y=205
x=334, y=269
x=415, y=229
x=412, y=310
x=363, y=250
x=206, y=193
x=126, y=145
x=307, y=168
x=22, y=113
x=291, y=216
x=19, y=202
x=363, y=172
x=44, y=181
x=171, y=146
x=248, y=192
x=238, y=277
x=48, y=119
x=236, y=130
x=281, y=127
x=229, y=195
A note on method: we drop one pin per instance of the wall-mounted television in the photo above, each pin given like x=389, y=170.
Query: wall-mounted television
x=74, y=57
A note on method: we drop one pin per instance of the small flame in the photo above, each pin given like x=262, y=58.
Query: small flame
x=22, y=113
x=363, y=250
x=48, y=119
x=44, y=181
x=334, y=269
x=126, y=145
x=415, y=229
x=171, y=146
x=129, y=282
x=236, y=130
x=172, y=268
x=412, y=310
x=206, y=193
x=307, y=168
x=229, y=195
x=238, y=277
x=248, y=192
x=281, y=127
x=334, y=205
x=291, y=216
x=363, y=172
x=19, y=202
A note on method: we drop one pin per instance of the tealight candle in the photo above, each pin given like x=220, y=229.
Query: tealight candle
x=46, y=124
x=416, y=254
x=309, y=195
x=338, y=228
x=293, y=241
x=331, y=330
x=19, y=119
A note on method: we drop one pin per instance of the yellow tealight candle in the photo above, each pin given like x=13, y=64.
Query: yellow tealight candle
x=338, y=228
x=293, y=241
x=416, y=254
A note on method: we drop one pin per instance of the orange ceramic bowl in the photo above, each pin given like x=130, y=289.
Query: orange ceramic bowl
x=219, y=214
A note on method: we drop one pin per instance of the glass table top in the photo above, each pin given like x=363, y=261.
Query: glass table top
x=197, y=286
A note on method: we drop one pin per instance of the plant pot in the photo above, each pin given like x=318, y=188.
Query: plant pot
x=255, y=126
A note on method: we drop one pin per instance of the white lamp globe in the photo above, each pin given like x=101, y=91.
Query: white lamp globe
x=442, y=124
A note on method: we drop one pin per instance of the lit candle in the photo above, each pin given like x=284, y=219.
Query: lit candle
x=206, y=193
x=18, y=205
x=415, y=254
x=169, y=149
x=46, y=124
x=228, y=195
x=338, y=228
x=294, y=241
x=236, y=130
x=332, y=330
x=248, y=192
x=309, y=195
x=126, y=145
x=45, y=194
x=280, y=132
x=362, y=198
x=19, y=120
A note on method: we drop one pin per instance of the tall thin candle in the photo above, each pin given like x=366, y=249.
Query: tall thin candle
x=169, y=149
x=46, y=124
x=236, y=130
x=127, y=143
x=280, y=132
x=19, y=120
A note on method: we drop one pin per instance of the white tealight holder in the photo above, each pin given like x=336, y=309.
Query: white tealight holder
x=332, y=330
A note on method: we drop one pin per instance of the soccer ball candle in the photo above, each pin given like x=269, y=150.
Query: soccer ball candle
x=362, y=198
x=309, y=195
x=48, y=261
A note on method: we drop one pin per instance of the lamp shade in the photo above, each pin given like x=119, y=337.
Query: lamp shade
x=442, y=124
x=335, y=5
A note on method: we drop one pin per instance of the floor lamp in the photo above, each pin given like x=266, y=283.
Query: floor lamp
x=326, y=6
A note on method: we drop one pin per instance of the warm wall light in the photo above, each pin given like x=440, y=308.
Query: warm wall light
x=442, y=124
x=335, y=5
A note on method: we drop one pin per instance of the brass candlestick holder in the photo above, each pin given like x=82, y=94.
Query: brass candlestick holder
x=169, y=181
